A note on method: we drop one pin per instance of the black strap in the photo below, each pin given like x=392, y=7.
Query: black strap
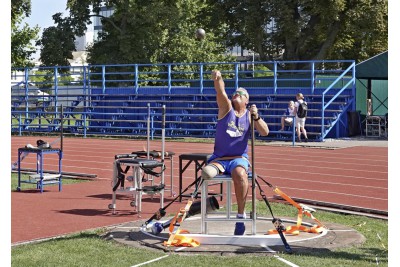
x=270, y=185
x=121, y=173
x=120, y=176
x=265, y=199
x=153, y=173
x=152, y=188
x=279, y=226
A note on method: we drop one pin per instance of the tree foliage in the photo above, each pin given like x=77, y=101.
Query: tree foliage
x=151, y=32
x=43, y=79
x=21, y=34
x=162, y=31
x=57, y=43
x=307, y=30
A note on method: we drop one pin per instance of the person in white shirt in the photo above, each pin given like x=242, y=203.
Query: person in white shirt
x=285, y=120
x=300, y=122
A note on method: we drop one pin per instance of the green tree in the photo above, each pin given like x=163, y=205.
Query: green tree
x=43, y=79
x=307, y=30
x=21, y=34
x=163, y=31
x=154, y=32
x=57, y=43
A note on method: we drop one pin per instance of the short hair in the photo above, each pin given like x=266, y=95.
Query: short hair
x=291, y=102
x=300, y=95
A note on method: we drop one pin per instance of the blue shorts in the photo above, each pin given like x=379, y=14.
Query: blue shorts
x=229, y=165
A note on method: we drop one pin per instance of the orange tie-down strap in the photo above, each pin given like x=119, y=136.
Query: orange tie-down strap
x=295, y=230
x=181, y=240
x=175, y=238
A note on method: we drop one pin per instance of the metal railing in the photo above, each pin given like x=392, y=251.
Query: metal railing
x=110, y=99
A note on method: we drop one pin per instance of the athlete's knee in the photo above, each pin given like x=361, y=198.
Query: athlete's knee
x=239, y=174
x=209, y=172
x=240, y=170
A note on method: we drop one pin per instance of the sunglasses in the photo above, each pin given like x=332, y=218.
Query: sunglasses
x=241, y=93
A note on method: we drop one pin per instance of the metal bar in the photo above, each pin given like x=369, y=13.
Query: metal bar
x=148, y=131
x=253, y=180
x=86, y=175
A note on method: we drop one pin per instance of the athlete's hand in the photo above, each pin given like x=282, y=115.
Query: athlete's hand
x=254, y=111
x=216, y=75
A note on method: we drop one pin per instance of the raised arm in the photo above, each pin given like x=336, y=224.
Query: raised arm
x=223, y=102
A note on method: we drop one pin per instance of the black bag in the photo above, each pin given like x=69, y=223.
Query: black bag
x=42, y=144
x=302, y=110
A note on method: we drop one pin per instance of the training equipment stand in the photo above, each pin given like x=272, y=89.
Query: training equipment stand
x=40, y=178
x=156, y=155
x=137, y=187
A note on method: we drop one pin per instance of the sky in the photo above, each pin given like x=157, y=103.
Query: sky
x=42, y=12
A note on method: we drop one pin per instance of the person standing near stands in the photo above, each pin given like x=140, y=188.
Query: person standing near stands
x=285, y=120
x=300, y=109
x=231, y=142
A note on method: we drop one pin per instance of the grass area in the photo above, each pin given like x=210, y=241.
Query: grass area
x=14, y=182
x=90, y=249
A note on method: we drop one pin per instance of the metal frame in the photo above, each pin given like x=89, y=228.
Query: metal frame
x=40, y=178
x=222, y=216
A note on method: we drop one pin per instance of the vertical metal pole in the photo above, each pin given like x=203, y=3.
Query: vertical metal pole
x=55, y=87
x=322, y=116
x=253, y=180
x=275, y=77
x=20, y=124
x=19, y=170
x=136, y=78
x=163, y=132
x=163, y=154
x=41, y=170
x=148, y=131
x=312, y=77
x=201, y=78
x=103, y=78
x=26, y=84
x=353, y=88
x=169, y=79
x=60, y=156
x=84, y=101
x=236, y=75
x=62, y=128
x=253, y=63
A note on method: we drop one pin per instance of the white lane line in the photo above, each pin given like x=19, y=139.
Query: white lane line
x=322, y=174
x=343, y=230
x=279, y=258
x=329, y=174
x=150, y=261
x=322, y=182
x=335, y=193
x=363, y=170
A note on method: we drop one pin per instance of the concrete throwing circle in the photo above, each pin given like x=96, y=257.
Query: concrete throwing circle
x=220, y=238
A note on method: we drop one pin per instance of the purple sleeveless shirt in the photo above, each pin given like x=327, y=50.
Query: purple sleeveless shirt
x=232, y=135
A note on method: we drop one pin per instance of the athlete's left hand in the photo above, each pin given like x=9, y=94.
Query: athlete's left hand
x=254, y=111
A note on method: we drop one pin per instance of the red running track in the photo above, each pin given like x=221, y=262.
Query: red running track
x=355, y=176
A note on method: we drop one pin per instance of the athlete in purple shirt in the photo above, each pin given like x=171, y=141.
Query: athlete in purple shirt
x=231, y=142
